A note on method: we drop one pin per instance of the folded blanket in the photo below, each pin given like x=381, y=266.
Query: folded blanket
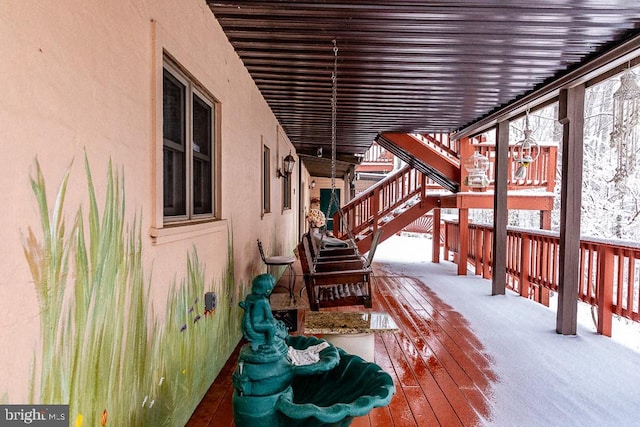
x=308, y=356
x=332, y=242
x=328, y=241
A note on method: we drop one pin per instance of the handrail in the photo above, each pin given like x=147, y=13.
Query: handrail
x=366, y=209
x=609, y=269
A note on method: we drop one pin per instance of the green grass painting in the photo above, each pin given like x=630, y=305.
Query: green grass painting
x=103, y=350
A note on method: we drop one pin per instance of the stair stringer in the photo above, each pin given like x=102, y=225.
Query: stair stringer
x=440, y=168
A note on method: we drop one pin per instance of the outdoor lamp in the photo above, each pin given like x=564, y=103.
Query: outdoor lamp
x=287, y=165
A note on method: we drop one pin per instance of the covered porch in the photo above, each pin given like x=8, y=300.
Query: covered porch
x=230, y=120
x=464, y=357
x=312, y=69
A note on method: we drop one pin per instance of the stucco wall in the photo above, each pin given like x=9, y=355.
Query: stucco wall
x=86, y=76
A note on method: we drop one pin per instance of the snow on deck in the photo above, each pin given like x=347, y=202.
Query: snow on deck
x=545, y=379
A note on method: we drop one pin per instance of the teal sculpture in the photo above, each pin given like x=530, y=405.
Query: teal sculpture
x=258, y=325
x=272, y=391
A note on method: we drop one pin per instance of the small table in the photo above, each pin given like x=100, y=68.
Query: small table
x=351, y=331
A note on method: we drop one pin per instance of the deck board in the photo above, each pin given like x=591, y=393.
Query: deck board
x=439, y=349
x=441, y=370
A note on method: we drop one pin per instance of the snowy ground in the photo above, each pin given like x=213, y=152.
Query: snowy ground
x=546, y=379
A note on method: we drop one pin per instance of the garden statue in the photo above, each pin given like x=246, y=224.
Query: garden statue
x=258, y=325
x=273, y=367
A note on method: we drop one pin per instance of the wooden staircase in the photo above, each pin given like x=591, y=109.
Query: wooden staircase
x=432, y=178
x=401, y=198
x=388, y=206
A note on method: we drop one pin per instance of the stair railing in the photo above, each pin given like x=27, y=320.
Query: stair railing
x=365, y=211
x=442, y=143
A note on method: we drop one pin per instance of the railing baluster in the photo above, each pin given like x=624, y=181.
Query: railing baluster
x=478, y=250
x=556, y=282
x=375, y=208
x=525, y=256
x=543, y=290
x=616, y=286
x=447, y=226
x=541, y=243
x=541, y=296
x=604, y=290
x=486, y=257
x=583, y=272
x=633, y=256
x=620, y=281
x=630, y=287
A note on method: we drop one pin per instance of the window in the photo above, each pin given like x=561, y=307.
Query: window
x=266, y=180
x=286, y=192
x=188, y=148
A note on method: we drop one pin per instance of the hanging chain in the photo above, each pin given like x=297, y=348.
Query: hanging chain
x=334, y=117
x=334, y=114
x=334, y=136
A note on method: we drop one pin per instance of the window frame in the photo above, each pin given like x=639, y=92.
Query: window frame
x=266, y=180
x=193, y=92
x=286, y=192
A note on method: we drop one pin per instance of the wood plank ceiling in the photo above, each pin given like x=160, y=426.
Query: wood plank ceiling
x=410, y=66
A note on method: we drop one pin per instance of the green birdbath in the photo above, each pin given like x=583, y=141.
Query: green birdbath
x=271, y=391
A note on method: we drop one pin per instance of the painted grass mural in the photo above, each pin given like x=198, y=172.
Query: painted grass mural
x=103, y=350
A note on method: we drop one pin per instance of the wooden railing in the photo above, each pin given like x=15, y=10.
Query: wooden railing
x=377, y=154
x=441, y=142
x=366, y=210
x=609, y=270
x=540, y=173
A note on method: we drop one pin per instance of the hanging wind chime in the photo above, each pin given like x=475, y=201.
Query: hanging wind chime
x=625, y=137
x=526, y=151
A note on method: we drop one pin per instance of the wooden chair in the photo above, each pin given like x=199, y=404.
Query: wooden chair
x=342, y=254
x=331, y=283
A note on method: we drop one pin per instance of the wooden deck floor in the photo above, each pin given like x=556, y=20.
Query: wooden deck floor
x=441, y=372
